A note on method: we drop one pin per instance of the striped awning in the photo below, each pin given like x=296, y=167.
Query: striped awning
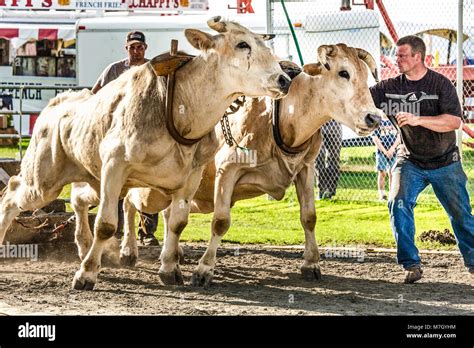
x=18, y=34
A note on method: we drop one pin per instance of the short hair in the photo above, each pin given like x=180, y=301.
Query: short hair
x=416, y=44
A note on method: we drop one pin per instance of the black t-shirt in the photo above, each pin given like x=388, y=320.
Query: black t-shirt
x=432, y=95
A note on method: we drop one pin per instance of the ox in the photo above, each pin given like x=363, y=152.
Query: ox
x=336, y=87
x=117, y=139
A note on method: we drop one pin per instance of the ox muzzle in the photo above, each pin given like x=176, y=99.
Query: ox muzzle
x=372, y=120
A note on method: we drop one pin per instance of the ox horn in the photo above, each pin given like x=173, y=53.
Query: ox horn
x=323, y=52
x=370, y=61
x=216, y=24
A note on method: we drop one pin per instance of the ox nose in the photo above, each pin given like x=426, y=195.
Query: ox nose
x=284, y=83
x=372, y=120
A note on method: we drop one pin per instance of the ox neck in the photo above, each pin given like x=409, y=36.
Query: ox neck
x=200, y=98
x=302, y=111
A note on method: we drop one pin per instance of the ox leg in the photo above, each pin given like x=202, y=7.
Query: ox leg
x=18, y=196
x=305, y=192
x=170, y=273
x=105, y=223
x=129, y=248
x=224, y=187
x=166, y=216
x=82, y=196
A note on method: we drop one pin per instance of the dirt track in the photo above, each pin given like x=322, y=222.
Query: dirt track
x=256, y=281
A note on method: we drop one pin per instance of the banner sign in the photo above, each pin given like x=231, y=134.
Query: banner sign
x=117, y=5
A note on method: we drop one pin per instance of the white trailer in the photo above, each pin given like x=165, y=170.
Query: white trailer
x=95, y=42
x=101, y=41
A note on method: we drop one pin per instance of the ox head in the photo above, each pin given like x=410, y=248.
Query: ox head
x=344, y=72
x=242, y=59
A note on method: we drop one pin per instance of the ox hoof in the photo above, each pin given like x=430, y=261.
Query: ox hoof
x=311, y=273
x=172, y=278
x=82, y=284
x=128, y=260
x=204, y=280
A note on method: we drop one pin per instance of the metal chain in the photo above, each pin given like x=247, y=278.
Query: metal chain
x=226, y=131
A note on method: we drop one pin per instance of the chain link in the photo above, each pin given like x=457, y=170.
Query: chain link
x=226, y=131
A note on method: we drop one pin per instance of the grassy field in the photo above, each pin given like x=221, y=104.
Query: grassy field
x=340, y=221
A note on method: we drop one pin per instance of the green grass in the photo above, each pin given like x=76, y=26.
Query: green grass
x=13, y=151
x=259, y=221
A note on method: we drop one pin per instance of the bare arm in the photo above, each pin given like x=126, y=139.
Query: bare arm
x=379, y=145
x=96, y=88
x=395, y=144
x=441, y=124
x=468, y=130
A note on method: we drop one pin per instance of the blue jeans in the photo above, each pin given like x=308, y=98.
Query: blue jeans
x=449, y=185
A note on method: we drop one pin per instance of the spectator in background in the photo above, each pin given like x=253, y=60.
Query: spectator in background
x=135, y=46
x=328, y=161
x=386, y=139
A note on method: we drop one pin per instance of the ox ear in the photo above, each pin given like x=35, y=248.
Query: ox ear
x=266, y=37
x=199, y=39
x=313, y=69
x=325, y=51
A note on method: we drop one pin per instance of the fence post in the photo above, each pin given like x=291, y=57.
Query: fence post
x=460, y=70
x=22, y=88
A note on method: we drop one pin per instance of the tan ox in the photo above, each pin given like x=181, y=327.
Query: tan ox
x=339, y=91
x=117, y=139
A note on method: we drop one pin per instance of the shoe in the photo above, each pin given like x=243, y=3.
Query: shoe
x=326, y=195
x=383, y=198
x=413, y=274
x=149, y=240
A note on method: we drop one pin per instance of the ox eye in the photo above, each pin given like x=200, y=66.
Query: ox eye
x=344, y=74
x=243, y=45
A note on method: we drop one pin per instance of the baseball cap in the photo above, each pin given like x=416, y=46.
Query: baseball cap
x=134, y=37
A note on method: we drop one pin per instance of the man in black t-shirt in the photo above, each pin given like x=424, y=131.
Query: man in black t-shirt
x=424, y=107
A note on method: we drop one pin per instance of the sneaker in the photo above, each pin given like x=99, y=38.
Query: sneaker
x=326, y=195
x=149, y=240
x=413, y=274
x=383, y=198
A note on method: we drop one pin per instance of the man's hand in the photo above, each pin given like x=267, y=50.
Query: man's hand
x=405, y=118
x=390, y=153
x=471, y=145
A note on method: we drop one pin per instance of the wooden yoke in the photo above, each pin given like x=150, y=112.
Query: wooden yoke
x=166, y=65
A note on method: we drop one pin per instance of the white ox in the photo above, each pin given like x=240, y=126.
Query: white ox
x=334, y=88
x=117, y=139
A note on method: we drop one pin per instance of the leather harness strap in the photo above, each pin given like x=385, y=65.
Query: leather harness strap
x=291, y=151
x=167, y=66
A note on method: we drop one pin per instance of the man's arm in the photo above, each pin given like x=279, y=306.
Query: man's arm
x=378, y=144
x=103, y=79
x=468, y=130
x=96, y=87
x=441, y=123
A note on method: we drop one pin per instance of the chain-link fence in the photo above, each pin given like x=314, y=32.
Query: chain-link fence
x=347, y=163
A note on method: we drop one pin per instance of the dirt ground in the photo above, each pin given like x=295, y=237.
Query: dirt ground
x=250, y=280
